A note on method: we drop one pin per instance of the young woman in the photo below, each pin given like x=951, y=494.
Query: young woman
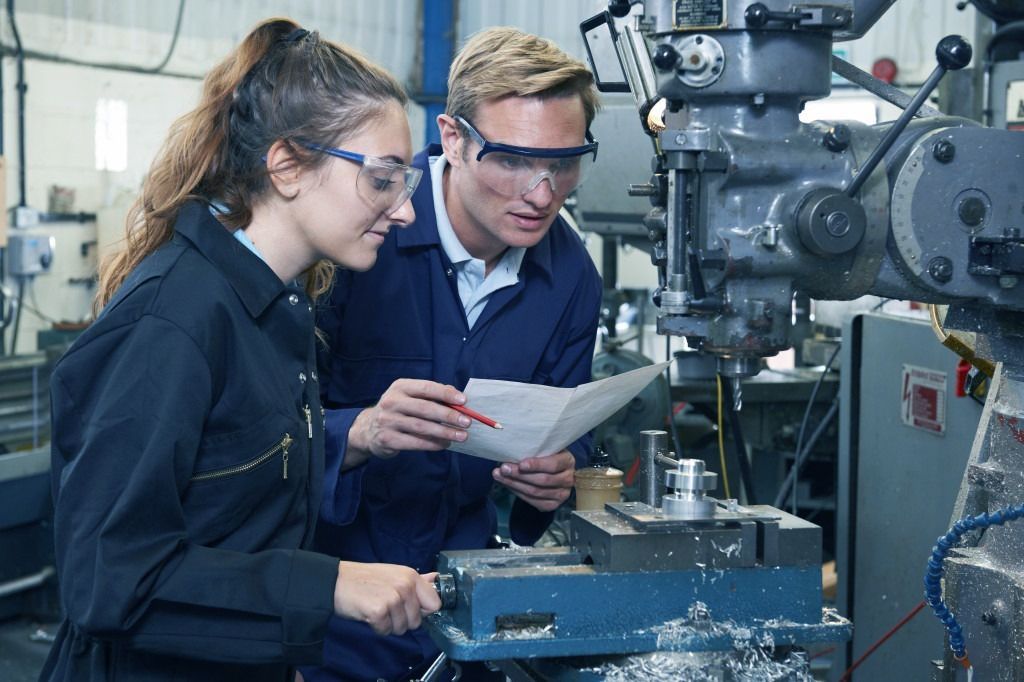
x=188, y=434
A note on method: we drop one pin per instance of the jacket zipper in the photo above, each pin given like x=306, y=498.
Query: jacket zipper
x=282, y=447
x=309, y=421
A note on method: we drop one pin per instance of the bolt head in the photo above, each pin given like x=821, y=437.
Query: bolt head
x=837, y=223
x=971, y=211
x=944, y=151
x=941, y=269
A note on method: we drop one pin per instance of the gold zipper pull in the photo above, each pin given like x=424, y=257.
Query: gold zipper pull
x=309, y=420
x=286, y=443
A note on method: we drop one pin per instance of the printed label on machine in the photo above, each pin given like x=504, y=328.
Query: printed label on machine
x=923, y=399
x=691, y=14
x=1015, y=105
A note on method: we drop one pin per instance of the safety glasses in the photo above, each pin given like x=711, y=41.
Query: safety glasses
x=514, y=171
x=384, y=184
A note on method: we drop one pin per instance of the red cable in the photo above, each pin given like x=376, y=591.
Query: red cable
x=871, y=649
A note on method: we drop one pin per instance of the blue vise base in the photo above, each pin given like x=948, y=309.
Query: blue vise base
x=633, y=580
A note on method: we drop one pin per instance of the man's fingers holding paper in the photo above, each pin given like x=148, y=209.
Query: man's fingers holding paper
x=542, y=482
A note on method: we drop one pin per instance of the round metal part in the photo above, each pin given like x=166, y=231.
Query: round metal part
x=687, y=483
x=830, y=223
x=941, y=269
x=741, y=366
x=680, y=508
x=944, y=151
x=444, y=583
x=701, y=60
x=838, y=138
x=972, y=208
x=971, y=211
x=675, y=302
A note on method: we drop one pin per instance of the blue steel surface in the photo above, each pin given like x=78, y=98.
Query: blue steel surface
x=593, y=612
x=676, y=635
x=584, y=600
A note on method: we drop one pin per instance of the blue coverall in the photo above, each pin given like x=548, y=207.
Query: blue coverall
x=404, y=319
x=187, y=468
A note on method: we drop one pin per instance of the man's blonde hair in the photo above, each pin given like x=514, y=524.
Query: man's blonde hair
x=504, y=61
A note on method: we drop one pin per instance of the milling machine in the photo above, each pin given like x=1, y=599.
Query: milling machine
x=749, y=206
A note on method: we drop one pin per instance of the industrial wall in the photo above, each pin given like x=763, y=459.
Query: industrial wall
x=61, y=110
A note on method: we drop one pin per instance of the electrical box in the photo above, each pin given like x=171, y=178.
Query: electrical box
x=29, y=255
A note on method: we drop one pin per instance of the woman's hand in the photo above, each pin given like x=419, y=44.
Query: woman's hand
x=390, y=599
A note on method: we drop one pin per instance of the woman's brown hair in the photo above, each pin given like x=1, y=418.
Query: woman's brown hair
x=281, y=83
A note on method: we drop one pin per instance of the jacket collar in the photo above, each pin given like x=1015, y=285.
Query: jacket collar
x=423, y=231
x=253, y=281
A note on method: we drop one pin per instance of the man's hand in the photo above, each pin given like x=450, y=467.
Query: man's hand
x=542, y=482
x=391, y=599
x=411, y=415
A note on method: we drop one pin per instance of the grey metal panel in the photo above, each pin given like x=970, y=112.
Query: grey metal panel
x=904, y=483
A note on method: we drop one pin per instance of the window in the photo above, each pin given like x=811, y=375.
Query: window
x=111, y=135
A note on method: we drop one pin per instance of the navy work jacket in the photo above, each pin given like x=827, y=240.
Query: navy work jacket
x=404, y=319
x=187, y=473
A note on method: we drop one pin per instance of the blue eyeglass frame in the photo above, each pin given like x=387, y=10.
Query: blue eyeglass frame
x=534, y=152
x=350, y=156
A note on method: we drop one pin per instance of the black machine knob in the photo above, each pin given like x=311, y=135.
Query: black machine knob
x=619, y=8
x=665, y=57
x=758, y=15
x=953, y=53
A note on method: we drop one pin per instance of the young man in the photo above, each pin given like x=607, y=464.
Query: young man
x=488, y=282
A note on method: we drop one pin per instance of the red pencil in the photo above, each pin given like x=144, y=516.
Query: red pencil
x=477, y=416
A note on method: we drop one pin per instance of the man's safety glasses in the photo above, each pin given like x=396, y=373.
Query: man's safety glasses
x=516, y=171
x=384, y=184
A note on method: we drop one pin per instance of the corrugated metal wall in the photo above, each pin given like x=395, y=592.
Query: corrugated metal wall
x=386, y=30
x=558, y=21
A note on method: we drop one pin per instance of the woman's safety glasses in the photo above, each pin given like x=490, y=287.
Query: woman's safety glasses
x=513, y=171
x=384, y=184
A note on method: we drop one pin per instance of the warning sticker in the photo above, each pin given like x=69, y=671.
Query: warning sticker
x=923, y=399
x=1015, y=105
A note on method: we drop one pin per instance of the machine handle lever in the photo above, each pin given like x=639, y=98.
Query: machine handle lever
x=952, y=53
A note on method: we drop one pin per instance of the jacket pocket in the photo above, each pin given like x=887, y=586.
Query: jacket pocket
x=278, y=451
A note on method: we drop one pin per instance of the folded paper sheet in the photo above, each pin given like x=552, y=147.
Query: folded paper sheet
x=543, y=420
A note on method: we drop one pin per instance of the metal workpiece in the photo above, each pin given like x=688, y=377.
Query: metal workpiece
x=653, y=443
x=687, y=485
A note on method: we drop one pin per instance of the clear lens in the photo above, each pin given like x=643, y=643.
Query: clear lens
x=514, y=175
x=386, y=185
